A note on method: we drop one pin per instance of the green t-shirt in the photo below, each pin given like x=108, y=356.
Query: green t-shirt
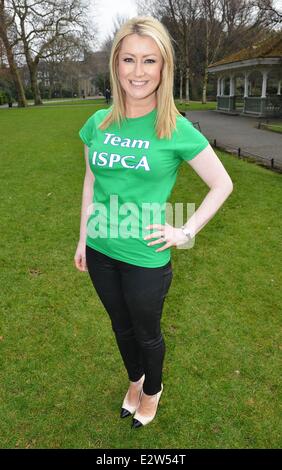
x=134, y=175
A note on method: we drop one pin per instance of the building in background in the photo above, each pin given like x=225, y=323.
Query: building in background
x=69, y=78
x=249, y=81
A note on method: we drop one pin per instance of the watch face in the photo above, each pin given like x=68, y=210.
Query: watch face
x=187, y=233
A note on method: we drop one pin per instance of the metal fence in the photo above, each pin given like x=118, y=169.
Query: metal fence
x=240, y=152
x=271, y=163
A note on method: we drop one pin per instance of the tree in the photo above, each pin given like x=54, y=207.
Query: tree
x=9, y=40
x=205, y=31
x=102, y=79
x=179, y=16
x=265, y=9
x=46, y=27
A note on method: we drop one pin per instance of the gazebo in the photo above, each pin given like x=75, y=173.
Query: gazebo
x=249, y=81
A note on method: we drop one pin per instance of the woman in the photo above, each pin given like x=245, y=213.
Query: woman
x=133, y=151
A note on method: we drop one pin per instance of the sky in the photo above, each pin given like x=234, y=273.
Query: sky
x=106, y=10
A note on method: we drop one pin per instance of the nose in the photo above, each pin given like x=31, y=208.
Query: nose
x=139, y=70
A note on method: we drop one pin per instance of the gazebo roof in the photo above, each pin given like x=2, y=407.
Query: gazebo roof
x=271, y=47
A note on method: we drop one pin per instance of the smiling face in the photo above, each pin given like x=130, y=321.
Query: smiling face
x=139, y=67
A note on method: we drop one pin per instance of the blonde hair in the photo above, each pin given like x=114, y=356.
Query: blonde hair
x=166, y=109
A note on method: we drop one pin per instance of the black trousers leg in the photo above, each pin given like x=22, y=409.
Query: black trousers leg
x=106, y=279
x=145, y=290
x=134, y=297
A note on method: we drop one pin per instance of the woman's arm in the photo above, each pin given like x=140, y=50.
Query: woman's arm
x=210, y=169
x=87, y=197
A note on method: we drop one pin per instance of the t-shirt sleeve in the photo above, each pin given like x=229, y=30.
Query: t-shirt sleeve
x=190, y=141
x=87, y=132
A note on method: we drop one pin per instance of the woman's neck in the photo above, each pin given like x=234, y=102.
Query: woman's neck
x=133, y=110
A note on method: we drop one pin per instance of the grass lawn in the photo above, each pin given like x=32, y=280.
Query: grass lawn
x=62, y=378
x=195, y=105
x=192, y=105
x=71, y=101
x=274, y=126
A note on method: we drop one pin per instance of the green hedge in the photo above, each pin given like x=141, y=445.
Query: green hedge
x=3, y=97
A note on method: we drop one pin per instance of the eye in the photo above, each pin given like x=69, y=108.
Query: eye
x=152, y=61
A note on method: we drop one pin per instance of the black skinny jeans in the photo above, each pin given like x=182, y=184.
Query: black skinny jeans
x=134, y=297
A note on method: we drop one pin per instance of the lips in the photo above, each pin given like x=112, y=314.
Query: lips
x=138, y=83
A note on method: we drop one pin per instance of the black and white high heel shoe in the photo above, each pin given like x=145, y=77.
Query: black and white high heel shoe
x=126, y=408
x=140, y=420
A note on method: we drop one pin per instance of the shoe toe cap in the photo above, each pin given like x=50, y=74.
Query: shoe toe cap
x=136, y=423
x=124, y=413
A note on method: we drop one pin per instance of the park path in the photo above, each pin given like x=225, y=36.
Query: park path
x=239, y=132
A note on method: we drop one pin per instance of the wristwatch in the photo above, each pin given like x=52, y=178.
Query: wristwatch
x=186, y=232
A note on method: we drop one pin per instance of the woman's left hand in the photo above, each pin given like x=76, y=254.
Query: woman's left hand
x=171, y=235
